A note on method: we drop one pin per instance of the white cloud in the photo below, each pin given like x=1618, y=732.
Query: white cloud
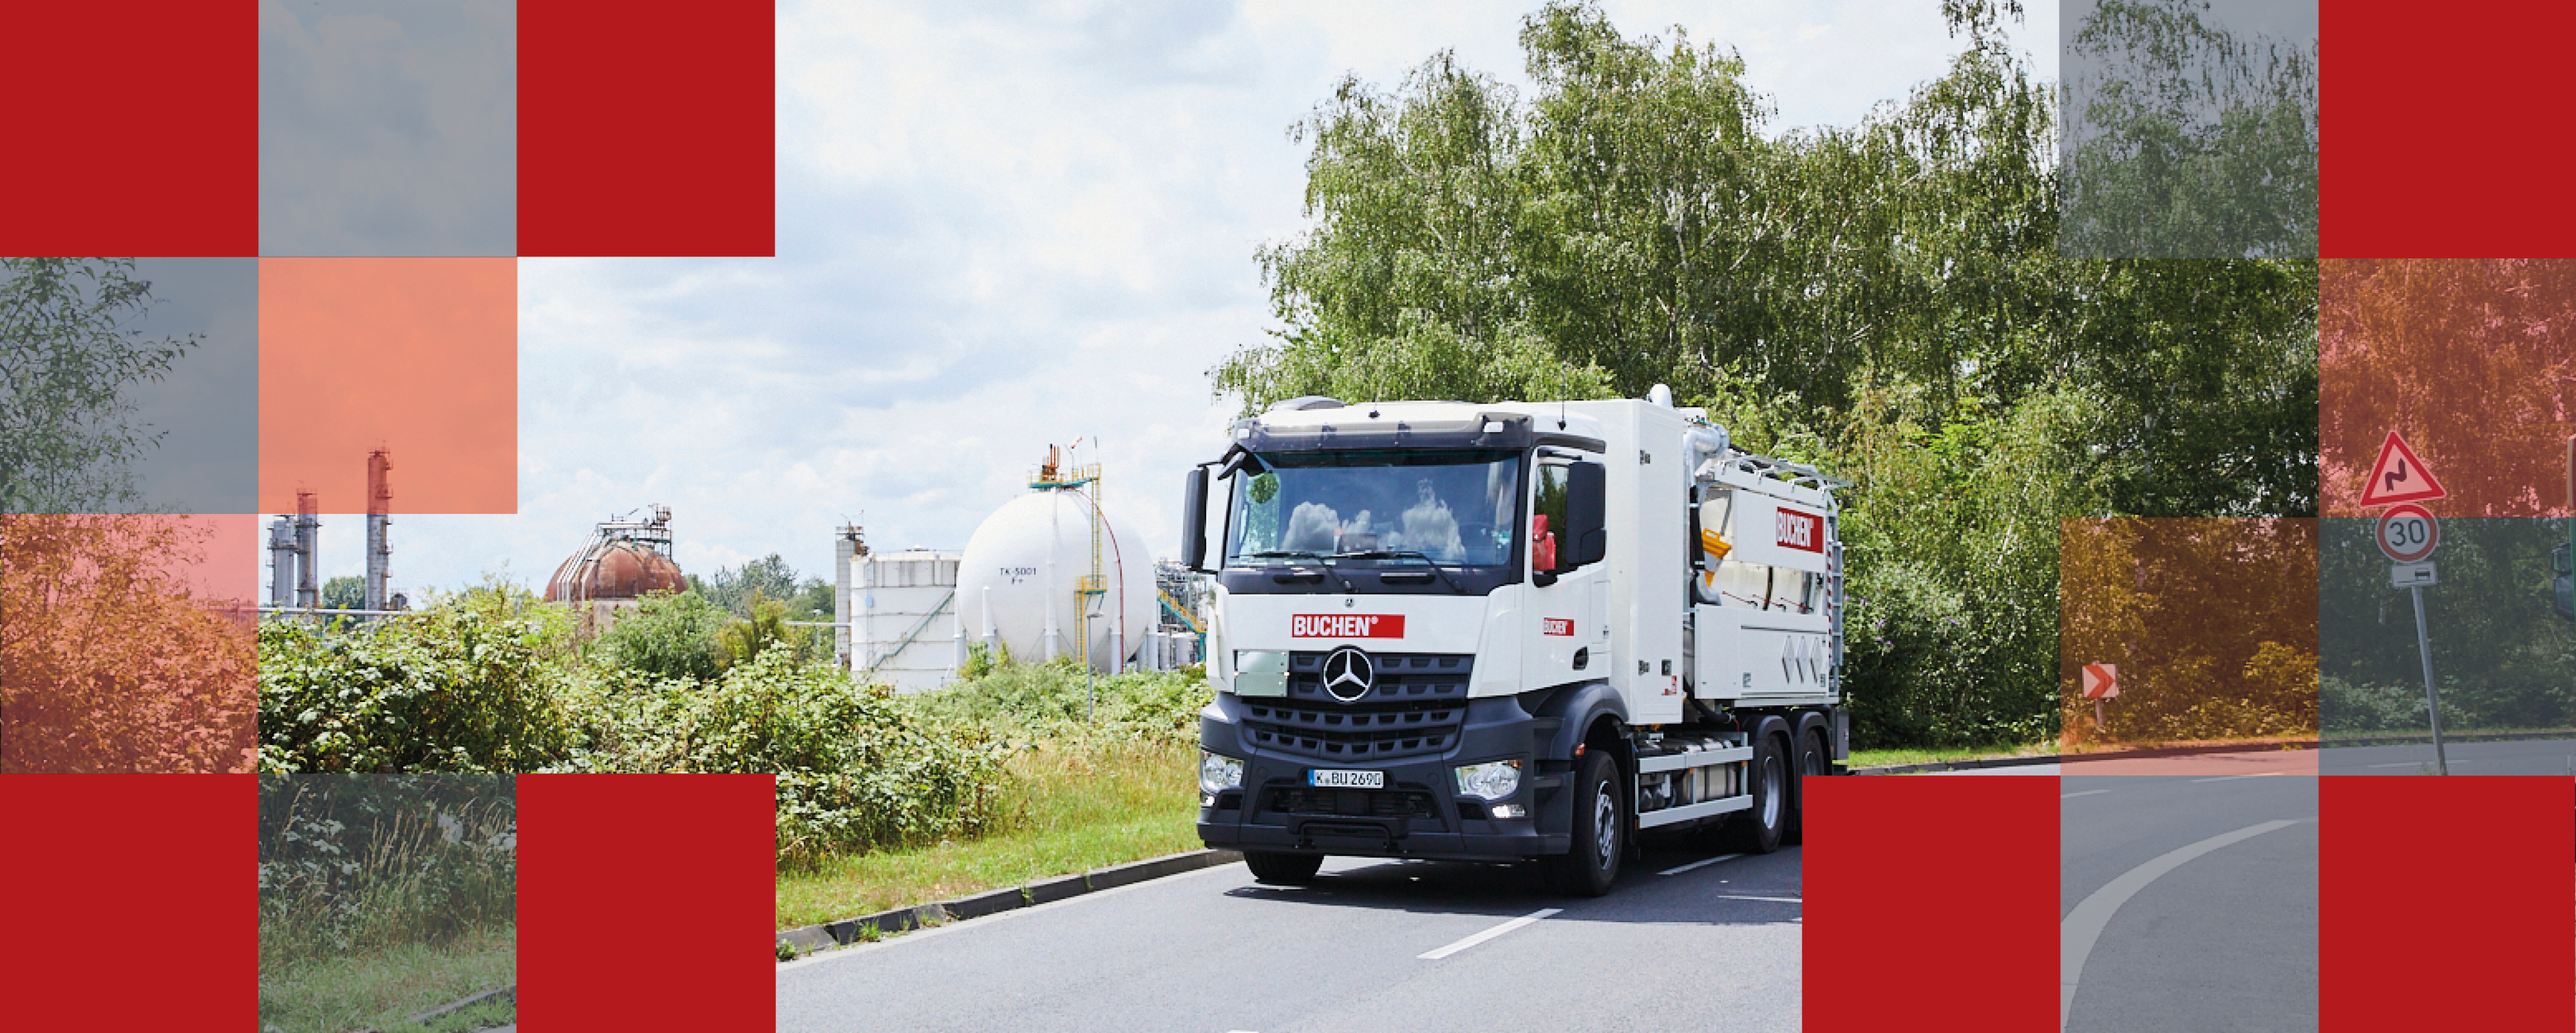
x=999, y=231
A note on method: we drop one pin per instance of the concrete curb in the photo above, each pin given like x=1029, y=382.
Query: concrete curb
x=510, y=992
x=2078, y=758
x=811, y=938
x=2426, y=738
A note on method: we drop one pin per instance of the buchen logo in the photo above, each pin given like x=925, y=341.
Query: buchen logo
x=1346, y=625
x=1796, y=530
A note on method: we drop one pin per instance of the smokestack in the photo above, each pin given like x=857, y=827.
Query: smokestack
x=380, y=508
x=281, y=562
x=308, y=542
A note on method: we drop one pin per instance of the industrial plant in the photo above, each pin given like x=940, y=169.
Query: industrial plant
x=1046, y=577
x=625, y=559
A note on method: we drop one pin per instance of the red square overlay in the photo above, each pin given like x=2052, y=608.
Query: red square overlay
x=2445, y=903
x=1950, y=938
x=647, y=902
x=133, y=128
x=2441, y=131
x=134, y=867
x=646, y=127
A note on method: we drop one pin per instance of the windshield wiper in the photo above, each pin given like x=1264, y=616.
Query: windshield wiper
x=1405, y=554
x=1282, y=554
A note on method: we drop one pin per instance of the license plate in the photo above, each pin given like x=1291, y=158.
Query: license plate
x=1330, y=779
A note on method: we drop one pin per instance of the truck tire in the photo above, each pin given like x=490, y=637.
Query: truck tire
x=1810, y=763
x=1281, y=869
x=1758, y=831
x=1590, y=864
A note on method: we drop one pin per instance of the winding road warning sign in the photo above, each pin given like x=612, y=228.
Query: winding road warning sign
x=2400, y=477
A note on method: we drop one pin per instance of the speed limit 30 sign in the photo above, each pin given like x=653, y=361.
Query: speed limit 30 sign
x=2407, y=533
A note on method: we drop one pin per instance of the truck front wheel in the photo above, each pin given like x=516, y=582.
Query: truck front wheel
x=1282, y=869
x=1590, y=864
x=1758, y=831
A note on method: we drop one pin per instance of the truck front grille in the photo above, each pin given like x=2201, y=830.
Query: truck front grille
x=1352, y=803
x=1415, y=708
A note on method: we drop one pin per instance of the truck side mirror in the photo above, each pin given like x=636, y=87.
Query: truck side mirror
x=1194, y=493
x=1587, y=534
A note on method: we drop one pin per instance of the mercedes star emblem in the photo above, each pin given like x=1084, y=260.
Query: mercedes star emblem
x=1348, y=674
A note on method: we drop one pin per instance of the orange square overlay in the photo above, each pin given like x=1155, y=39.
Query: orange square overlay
x=127, y=643
x=2471, y=361
x=415, y=355
x=2211, y=625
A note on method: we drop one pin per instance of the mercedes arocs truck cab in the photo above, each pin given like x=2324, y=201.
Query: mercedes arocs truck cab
x=1509, y=632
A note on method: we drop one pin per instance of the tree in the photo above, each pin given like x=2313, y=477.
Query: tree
x=1887, y=300
x=344, y=593
x=109, y=660
x=68, y=357
x=733, y=589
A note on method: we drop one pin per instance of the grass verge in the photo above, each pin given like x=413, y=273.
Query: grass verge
x=1939, y=755
x=380, y=989
x=1066, y=810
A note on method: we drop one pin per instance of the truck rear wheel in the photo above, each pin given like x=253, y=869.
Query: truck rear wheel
x=1758, y=831
x=1590, y=864
x=1810, y=764
x=1280, y=869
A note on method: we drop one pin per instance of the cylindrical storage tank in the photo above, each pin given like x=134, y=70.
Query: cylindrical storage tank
x=1005, y=572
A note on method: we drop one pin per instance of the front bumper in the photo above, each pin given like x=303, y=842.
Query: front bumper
x=1420, y=814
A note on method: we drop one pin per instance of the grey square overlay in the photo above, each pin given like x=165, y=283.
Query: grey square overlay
x=194, y=426
x=388, y=128
x=2187, y=128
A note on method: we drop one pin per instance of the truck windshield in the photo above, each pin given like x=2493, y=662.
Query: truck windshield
x=1448, y=508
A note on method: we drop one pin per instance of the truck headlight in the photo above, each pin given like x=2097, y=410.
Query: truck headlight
x=1493, y=780
x=1218, y=772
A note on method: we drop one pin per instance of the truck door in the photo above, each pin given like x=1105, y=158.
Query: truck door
x=1569, y=632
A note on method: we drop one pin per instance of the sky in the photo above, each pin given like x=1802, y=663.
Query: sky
x=1002, y=226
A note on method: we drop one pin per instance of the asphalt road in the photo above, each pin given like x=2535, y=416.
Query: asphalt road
x=1370, y=945
x=2199, y=895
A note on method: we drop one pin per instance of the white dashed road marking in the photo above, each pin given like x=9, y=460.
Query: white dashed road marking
x=1491, y=933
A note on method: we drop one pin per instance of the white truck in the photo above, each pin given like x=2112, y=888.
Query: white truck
x=1509, y=632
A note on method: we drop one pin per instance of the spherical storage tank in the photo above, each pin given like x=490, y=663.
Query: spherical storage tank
x=1004, y=574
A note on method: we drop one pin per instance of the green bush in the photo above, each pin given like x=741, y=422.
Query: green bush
x=669, y=635
x=855, y=770
x=469, y=685
x=1048, y=701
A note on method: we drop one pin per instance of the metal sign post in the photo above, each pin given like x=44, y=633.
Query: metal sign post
x=2432, y=697
x=2408, y=535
